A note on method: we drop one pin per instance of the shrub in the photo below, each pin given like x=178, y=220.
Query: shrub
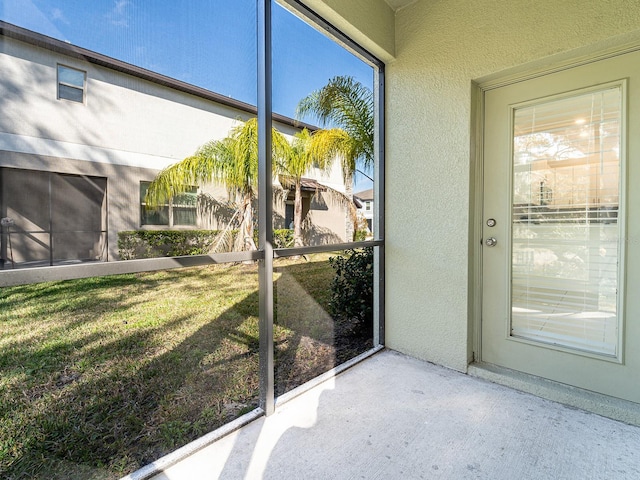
x=174, y=243
x=283, y=238
x=352, y=288
x=360, y=235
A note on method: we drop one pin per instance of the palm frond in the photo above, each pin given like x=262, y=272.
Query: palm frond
x=225, y=239
x=325, y=145
x=294, y=159
x=170, y=182
x=347, y=104
x=281, y=151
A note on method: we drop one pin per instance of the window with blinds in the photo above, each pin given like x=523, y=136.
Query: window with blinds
x=565, y=231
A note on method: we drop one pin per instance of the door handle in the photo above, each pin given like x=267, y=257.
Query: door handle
x=490, y=242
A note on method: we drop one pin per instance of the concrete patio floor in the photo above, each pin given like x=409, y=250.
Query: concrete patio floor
x=395, y=417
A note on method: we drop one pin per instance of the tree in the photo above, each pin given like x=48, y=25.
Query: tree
x=305, y=151
x=232, y=162
x=347, y=107
x=298, y=159
x=343, y=103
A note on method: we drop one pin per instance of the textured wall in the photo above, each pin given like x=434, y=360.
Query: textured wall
x=122, y=113
x=441, y=46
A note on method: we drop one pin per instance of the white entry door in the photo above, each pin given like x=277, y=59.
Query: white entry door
x=561, y=227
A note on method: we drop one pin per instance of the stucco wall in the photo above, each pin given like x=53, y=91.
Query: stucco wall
x=441, y=47
x=121, y=113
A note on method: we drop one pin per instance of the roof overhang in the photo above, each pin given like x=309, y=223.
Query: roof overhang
x=306, y=184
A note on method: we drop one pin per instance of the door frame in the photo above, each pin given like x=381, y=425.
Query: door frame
x=479, y=87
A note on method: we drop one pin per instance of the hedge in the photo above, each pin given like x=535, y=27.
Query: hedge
x=164, y=243
x=134, y=244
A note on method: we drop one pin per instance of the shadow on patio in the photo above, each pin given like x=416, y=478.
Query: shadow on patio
x=393, y=416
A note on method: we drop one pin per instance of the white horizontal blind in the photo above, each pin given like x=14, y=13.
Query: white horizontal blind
x=566, y=176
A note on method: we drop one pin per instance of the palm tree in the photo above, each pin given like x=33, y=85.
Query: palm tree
x=303, y=153
x=312, y=149
x=346, y=107
x=344, y=104
x=297, y=161
x=232, y=162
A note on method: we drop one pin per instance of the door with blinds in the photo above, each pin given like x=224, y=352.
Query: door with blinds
x=561, y=228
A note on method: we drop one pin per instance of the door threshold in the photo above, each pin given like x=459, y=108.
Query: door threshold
x=604, y=405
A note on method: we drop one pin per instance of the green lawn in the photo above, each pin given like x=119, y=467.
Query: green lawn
x=101, y=376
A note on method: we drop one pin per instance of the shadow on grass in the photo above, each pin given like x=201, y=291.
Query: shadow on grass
x=309, y=339
x=136, y=366
x=101, y=406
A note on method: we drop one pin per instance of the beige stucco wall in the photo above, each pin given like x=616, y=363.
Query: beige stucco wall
x=441, y=47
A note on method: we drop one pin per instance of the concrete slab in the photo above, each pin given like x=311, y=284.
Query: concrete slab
x=395, y=417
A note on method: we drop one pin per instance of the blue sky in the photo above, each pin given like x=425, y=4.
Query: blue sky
x=208, y=43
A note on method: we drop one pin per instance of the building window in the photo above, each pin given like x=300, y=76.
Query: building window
x=289, y=216
x=180, y=211
x=367, y=206
x=71, y=84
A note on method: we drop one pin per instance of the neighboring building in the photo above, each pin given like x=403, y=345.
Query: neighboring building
x=365, y=198
x=76, y=156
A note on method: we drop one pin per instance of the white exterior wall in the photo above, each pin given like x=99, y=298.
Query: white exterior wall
x=125, y=120
x=131, y=121
x=441, y=48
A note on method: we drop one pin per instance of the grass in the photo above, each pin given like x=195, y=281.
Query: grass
x=308, y=340
x=101, y=376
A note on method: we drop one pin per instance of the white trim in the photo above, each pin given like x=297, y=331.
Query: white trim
x=55, y=148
